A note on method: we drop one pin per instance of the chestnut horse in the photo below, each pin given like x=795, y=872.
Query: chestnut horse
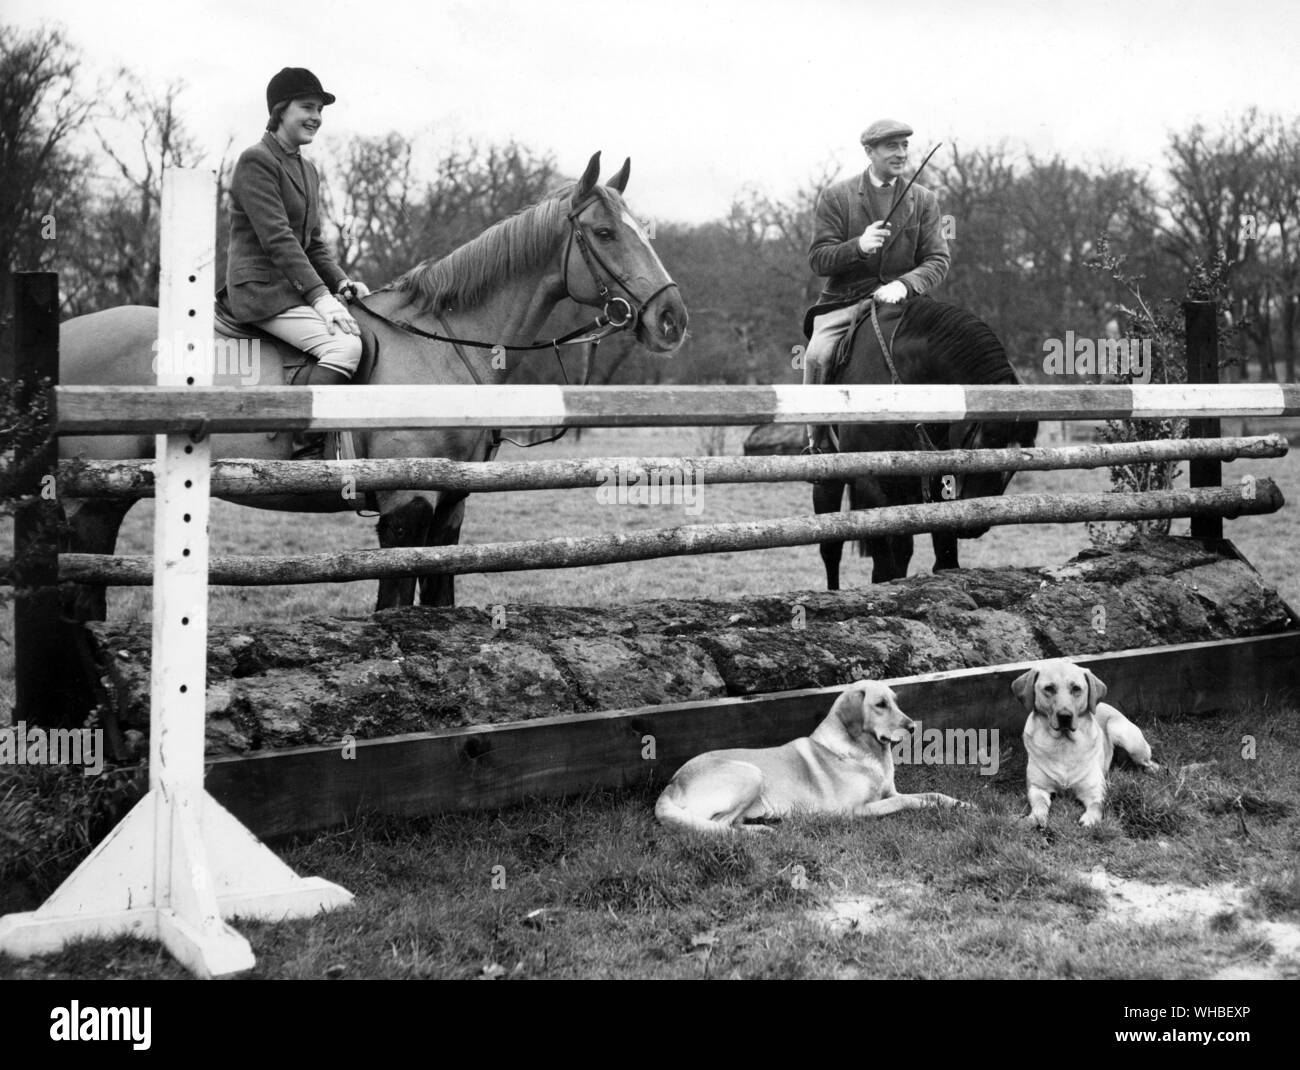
x=582, y=243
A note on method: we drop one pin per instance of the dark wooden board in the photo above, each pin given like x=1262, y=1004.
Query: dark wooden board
x=310, y=788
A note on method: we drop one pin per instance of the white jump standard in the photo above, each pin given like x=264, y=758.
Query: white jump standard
x=179, y=863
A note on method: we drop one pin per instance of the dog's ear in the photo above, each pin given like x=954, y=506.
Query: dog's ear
x=1096, y=690
x=848, y=707
x=1023, y=688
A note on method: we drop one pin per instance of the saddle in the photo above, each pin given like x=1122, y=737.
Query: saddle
x=339, y=445
x=888, y=317
x=228, y=327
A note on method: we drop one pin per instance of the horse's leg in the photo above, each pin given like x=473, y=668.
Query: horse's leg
x=902, y=553
x=884, y=566
x=93, y=525
x=406, y=524
x=827, y=495
x=872, y=494
x=440, y=589
x=945, y=550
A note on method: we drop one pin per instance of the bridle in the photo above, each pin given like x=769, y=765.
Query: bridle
x=617, y=313
x=596, y=264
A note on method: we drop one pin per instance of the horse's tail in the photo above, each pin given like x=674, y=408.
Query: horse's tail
x=860, y=498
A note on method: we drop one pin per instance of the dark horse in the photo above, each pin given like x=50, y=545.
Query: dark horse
x=582, y=243
x=935, y=343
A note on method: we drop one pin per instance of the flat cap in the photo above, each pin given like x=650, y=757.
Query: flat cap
x=882, y=129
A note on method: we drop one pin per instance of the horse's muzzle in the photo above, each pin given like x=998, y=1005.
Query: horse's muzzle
x=663, y=321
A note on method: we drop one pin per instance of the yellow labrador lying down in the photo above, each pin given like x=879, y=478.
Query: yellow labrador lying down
x=845, y=767
x=1071, y=736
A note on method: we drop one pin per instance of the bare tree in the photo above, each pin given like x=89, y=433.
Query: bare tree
x=387, y=216
x=1216, y=180
x=39, y=110
x=123, y=251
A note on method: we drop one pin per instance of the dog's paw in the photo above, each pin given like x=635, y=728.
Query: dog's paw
x=1033, y=821
x=1151, y=767
x=1089, y=819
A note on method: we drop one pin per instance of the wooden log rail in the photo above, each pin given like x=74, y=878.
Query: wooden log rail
x=87, y=410
x=251, y=478
x=1251, y=497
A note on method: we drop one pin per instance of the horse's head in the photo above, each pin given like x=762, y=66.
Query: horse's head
x=610, y=264
x=988, y=435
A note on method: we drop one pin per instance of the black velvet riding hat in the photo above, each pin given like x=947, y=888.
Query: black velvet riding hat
x=293, y=82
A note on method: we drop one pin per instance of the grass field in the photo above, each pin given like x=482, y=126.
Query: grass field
x=1192, y=873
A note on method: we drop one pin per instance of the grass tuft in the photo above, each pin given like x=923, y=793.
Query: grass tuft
x=50, y=818
x=1145, y=812
x=1278, y=895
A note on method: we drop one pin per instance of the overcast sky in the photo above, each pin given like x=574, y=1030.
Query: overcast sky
x=709, y=95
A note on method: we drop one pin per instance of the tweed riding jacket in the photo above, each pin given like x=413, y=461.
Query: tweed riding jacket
x=277, y=259
x=916, y=252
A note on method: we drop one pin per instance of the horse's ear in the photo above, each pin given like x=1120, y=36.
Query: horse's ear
x=619, y=181
x=588, y=181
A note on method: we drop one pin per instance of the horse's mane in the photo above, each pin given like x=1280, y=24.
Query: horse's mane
x=466, y=275
x=961, y=339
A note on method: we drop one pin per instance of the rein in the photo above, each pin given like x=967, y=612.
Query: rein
x=617, y=314
x=923, y=440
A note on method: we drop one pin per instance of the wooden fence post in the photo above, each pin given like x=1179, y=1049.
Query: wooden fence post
x=1202, y=332
x=45, y=675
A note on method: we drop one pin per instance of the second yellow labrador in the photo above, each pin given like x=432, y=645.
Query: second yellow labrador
x=845, y=767
x=1071, y=736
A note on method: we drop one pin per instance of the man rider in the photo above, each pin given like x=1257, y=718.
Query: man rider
x=860, y=256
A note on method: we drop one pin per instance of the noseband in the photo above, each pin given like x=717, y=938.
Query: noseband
x=619, y=311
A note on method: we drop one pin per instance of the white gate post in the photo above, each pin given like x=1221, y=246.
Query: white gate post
x=179, y=863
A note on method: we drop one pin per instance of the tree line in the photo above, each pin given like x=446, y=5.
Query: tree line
x=1040, y=245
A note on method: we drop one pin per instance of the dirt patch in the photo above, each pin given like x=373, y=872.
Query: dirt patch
x=867, y=913
x=1215, y=906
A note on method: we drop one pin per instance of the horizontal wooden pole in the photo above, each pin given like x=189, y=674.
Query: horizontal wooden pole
x=305, y=789
x=86, y=410
x=252, y=478
x=1262, y=496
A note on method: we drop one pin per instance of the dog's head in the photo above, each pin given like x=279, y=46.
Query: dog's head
x=1061, y=692
x=869, y=712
